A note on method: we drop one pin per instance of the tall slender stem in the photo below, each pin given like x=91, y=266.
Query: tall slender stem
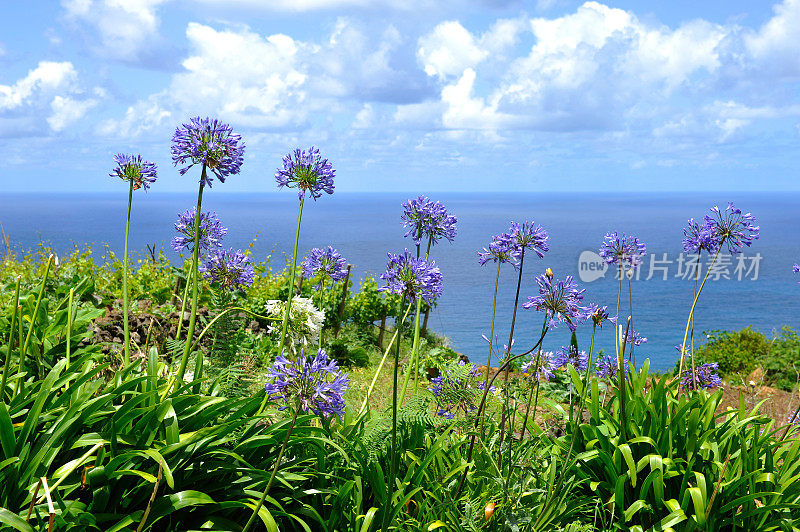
x=126, y=351
x=69, y=324
x=691, y=351
x=482, y=406
x=189, y=280
x=274, y=472
x=24, y=351
x=393, y=475
x=413, y=362
x=195, y=283
x=536, y=384
x=491, y=333
x=10, y=345
x=505, y=379
x=691, y=311
x=619, y=295
x=630, y=316
x=383, y=361
x=285, y=323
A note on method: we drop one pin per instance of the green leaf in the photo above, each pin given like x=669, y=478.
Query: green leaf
x=14, y=521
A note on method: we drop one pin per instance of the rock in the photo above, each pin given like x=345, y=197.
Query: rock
x=757, y=375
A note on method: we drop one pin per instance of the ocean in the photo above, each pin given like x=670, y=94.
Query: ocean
x=756, y=289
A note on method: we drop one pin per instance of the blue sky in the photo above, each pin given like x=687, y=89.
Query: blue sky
x=464, y=95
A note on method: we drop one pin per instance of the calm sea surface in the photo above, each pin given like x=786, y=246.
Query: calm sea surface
x=761, y=290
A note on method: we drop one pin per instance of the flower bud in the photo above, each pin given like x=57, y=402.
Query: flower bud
x=488, y=511
x=549, y=273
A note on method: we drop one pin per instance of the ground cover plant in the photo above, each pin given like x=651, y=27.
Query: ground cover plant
x=222, y=393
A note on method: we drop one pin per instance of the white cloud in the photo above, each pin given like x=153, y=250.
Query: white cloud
x=312, y=5
x=67, y=111
x=146, y=115
x=45, y=79
x=127, y=29
x=449, y=50
x=776, y=45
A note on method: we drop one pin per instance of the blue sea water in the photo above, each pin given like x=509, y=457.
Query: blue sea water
x=364, y=226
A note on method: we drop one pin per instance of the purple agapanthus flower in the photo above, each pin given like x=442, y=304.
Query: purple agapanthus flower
x=560, y=300
x=307, y=171
x=732, y=227
x=618, y=250
x=229, y=269
x=328, y=263
x=312, y=384
x=707, y=377
x=210, y=142
x=569, y=355
x=635, y=338
x=796, y=269
x=607, y=366
x=697, y=237
x=211, y=231
x=412, y=277
x=528, y=235
x=541, y=371
x=598, y=314
x=134, y=169
x=424, y=217
x=501, y=249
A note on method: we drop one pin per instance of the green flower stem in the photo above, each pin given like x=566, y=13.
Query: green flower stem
x=630, y=302
x=622, y=388
x=482, y=406
x=491, y=337
x=557, y=485
x=69, y=329
x=24, y=351
x=383, y=361
x=195, y=282
x=691, y=311
x=285, y=324
x=505, y=379
x=413, y=362
x=393, y=475
x=691, y=351
x=126, y=352
x=10, y=345
x=274, y=472
x=536, y=385
x=189, y=280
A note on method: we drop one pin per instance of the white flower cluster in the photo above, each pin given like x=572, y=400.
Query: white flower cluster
x=305, y=320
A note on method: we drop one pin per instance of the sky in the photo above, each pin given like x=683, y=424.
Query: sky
x=423, y=96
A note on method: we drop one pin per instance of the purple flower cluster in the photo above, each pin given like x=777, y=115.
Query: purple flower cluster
x=560, y=300
x=570, y=355
x=635, y=338
x=598, y=314
x=307, y=171
x=229, y=269
x=698, y=237
x=607, y=366
x=732, y=227
x=412, y=277
x=210, y=142
x=622, y=249
x=528, y=235
x=312, y=384
x=508, y=246
x=327, y=262
x=543, y=370
x=707, y=377
x=134, y=169
x=500, y=250
x=424, y=217
x=211, y=231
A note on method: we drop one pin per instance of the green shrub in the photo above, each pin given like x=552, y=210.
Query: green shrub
x=782, y=366
x=348, y=356
x=737, y=353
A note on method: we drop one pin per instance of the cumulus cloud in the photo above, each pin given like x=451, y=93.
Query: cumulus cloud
x=776, y=45
x=49, y=94
x=124, y=30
